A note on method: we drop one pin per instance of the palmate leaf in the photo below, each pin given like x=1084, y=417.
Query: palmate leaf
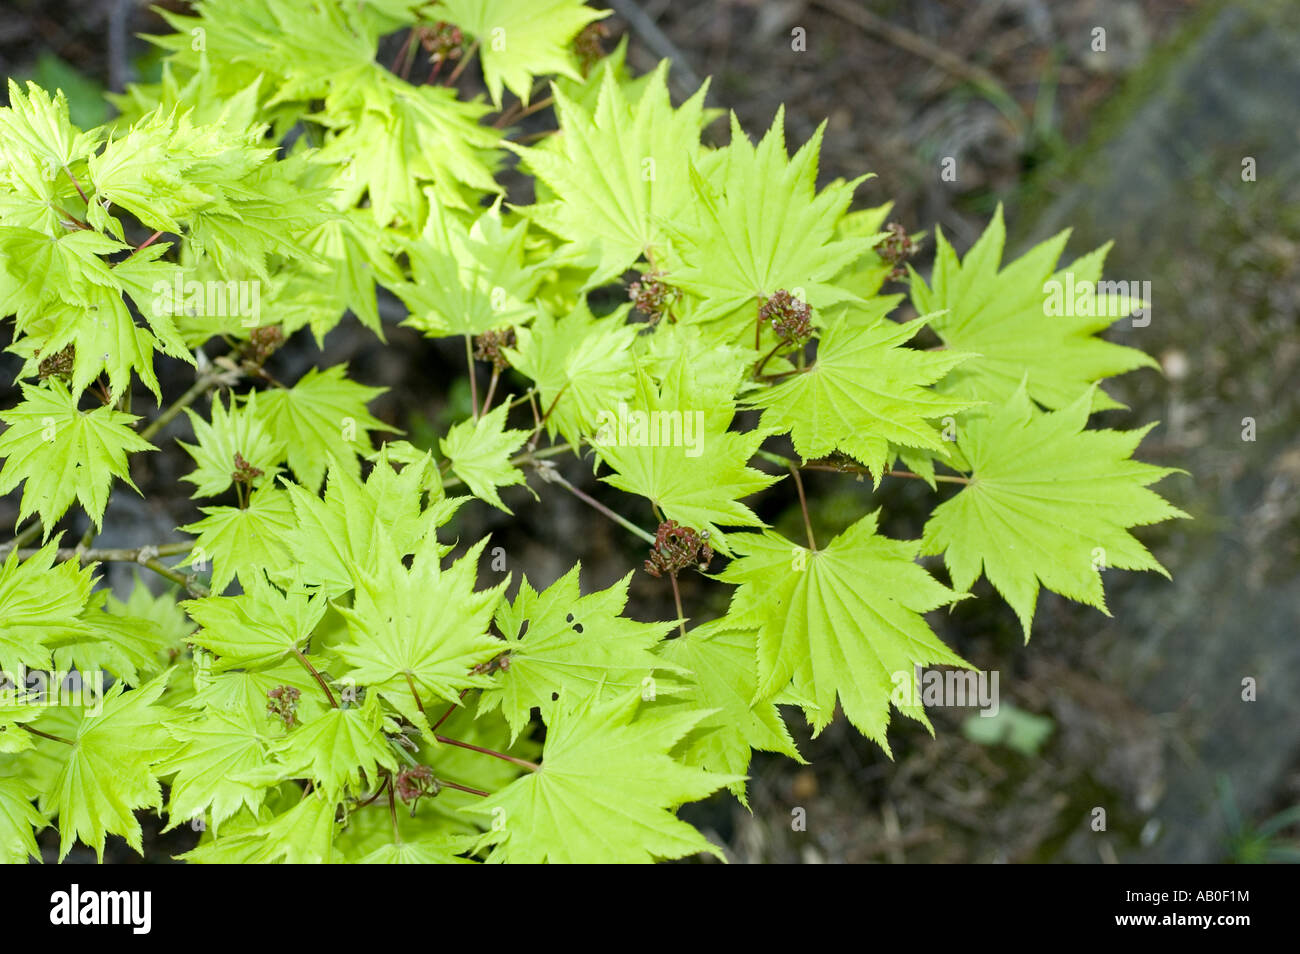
x=605, y=791
x=1003, y=317
x=479, y=451
x=581, y=365
x=520, y=39
x=108, y=773
x=303, y=835
x=356, y=523
x=259, y=627
x=322, y=421
x=420, y=631
x=41, y=602
x=333, y=750
x=244, y=542
x=18, y=816
x=864, y=392
x=435, y=849
x=64, y=454
x=762, y=227
x=724, y=678
x=560, y=642
x=391, y=139
x=210, y=752
x=620, y=171
x=234, y=431
x=843, y=620
x=1048, y=502
x=37, y=123
x=683, y=457
x=468, y=279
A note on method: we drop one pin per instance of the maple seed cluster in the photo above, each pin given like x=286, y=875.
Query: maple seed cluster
x=501, y=663
x=283, y=704
x=59, y=365
x=677, y=547
x=415, y=782
x=442, y=41
x=488, y=345
x=244, y=472
x=788, y=316
x=651, y=296
x=896, y=248
x=263, y=342
x=587, y=48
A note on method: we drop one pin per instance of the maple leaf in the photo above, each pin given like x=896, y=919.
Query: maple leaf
x=302, y=835
x=108, y=773
x=864, y=392
x=695, y=474
x=40, y=603
x=561, y=642
x=581, y=365
x=618, y=171
x=322, y=420
x=233, y=432
x=355, y=522
x=39, y=124
x=259, y=627
x=479, y=451
x=844, y=620
x=605, y=790
x=210, y=753
x=468, y=280
x=244, y=542
x=416, y=634
x=762, y=227
x=63, y=453
x=334, y=750
x=437, y=849
x=18, y=816
x=520, y=39
x=1049, y=502
x=1003, y=317
x=724, y=682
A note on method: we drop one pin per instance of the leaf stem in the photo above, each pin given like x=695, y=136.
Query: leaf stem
x=460, y=67
x=492, y=389
x=677, y=598
x=46, y=735
x=473, y=378
x=320, y=680
x=803, y=505
x=531, y=766
x=461, y=788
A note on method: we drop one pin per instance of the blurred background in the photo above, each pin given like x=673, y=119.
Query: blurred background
x=1178, y=137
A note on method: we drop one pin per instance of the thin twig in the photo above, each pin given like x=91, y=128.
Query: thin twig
x=917, y=45
x=657, y=41
x=551, y=475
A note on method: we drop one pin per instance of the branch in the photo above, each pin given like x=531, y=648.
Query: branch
x=549, y=474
